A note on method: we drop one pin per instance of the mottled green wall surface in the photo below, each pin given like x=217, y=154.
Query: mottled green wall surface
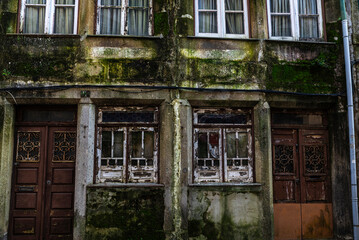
x=124, y=213
x=224, y=214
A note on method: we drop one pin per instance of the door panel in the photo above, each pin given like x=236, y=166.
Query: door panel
x=301, y=176
x=285, y=166
x=25, y=222
x=43, y=183
x=60, y=188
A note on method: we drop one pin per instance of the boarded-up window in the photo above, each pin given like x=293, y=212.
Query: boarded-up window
x=223, y=145
x=127, y=145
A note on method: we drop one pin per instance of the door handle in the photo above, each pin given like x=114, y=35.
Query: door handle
x=48, y=182
x=297, y=181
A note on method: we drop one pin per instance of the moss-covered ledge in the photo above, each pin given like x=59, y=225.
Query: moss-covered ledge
x=228, y=187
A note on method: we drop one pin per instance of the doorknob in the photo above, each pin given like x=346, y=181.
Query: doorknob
x=48, y=182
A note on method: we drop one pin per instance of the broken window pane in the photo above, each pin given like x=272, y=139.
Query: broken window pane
x=242, y=145
x=136, y=144
x=231, y=145
x=118, y=144
x=106, y=143
x=202, y=145
x=148, y=144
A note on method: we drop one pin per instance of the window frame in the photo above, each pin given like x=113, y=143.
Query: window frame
x=126, y=127
x=221, y=22
x=124, y=20
x=222, y=129
x=50, y=7
x=294, y=19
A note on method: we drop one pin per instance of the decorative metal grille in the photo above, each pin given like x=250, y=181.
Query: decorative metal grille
x=28, y=147
x=314, y=159
x=284, y=159
x=64, y=147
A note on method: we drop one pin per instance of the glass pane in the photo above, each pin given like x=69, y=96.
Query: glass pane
x=64, y=20
x=242, y=145
x=118, y=144
x=104, y=162
x=128, y=116
x=234, y=5
x=35, y=1
x=34, y=20
x=136, y=144
x=222, y=118
x=208, y=22
x=202, y=145
x=280, y=6
x=72, y=2
x=111, y=2
x=281, y=26
x=207, y=4
x=307, y=6
x=138, y=3
x=48, y=116
x=309, y=27
x=106, y=144
x=149, y=143
x=110, y=21
x=214, y=145
x=234, y=23
x=138, y=22
x=231, y=145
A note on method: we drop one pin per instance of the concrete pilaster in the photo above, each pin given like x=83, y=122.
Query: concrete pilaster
x=84, y=163
x=178, y=125
x=263, y=163
x=6, y=154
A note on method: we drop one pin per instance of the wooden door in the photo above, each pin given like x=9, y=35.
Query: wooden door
x=301, y=184
x=43, y=183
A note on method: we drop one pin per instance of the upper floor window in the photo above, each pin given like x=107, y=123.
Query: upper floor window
x=295, y=19
x=127, y=145
x=49, y=16
x=223, y=145
x=221, y=18
x=124, y=17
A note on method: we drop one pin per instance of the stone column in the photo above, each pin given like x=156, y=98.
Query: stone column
x=7, y=118
x=177, y=171
x=263, y=163
x=84, y=162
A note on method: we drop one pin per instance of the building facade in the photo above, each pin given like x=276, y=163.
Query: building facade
x=204, y=119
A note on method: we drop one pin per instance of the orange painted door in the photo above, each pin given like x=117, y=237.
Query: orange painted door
x=43, y=183
x=301, y=184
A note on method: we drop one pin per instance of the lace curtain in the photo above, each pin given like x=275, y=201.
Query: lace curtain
x=234, y=17
x=64, y=16
x=207, y=19
x=110, y=17
x=35, y=16
x=308, y=18
x=280, y=18
x=138, y=17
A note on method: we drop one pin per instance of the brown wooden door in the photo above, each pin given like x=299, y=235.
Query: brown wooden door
x=301, y=184
x=43, y=183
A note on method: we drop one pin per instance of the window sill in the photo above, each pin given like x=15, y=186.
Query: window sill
x=122, y=36
x=234, y=187
x=125, y=185
x=45, y=35
x=222, y=38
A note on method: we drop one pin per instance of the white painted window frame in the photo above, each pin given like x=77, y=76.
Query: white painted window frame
x=49, y=15
x=294, y=19
x=221, y=21
x=124, y=9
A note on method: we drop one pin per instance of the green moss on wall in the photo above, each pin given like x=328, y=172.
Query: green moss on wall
x=122, y=213
x=161, y=23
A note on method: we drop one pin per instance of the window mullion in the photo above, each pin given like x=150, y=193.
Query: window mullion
x=223, y=154
x=295, y=19
x=127, y=147
x=76, y=11
x=220, y=17
x=112, y=142
x=48, y=17
x=124, y=4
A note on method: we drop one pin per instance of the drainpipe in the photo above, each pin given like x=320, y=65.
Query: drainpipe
x=350, y=121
